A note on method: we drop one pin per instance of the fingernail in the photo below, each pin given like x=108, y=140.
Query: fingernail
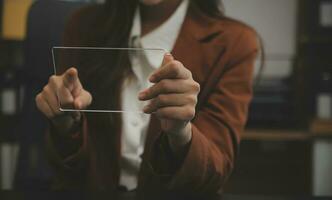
x=141, y=95
x=152, y=78
x=78, y=105
x=169, y=55
x=146, y=108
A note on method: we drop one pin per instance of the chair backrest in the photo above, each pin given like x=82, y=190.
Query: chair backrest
x=45, y=25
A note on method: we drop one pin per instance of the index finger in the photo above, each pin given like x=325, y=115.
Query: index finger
x=71, y=81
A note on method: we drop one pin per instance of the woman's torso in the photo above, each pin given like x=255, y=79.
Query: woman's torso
x=203, y=45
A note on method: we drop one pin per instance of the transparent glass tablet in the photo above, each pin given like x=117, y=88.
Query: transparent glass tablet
x=113, y=76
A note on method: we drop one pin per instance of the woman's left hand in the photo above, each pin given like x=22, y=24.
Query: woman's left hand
x=173, y=99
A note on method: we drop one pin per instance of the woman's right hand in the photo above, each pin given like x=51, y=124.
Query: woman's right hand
x=65, y=90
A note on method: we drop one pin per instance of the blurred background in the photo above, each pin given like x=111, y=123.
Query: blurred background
x=287, y=147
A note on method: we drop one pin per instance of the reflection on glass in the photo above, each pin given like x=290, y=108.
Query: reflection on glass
x=99, y=74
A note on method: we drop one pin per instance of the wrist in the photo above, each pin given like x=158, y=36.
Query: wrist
x=66, y=124
x=179, y=139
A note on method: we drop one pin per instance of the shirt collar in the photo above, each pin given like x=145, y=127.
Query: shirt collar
x=163, y=37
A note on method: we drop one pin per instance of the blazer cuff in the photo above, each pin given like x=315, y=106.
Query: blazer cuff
x=196, y=171
x=67, y=152
x=164, y=162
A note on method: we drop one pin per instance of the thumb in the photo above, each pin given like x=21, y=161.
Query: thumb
x=83, y=100
x=167, y=58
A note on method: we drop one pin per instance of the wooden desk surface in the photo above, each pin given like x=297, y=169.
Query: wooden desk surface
x=34, y=195
x=275, y=135
x=284, y=135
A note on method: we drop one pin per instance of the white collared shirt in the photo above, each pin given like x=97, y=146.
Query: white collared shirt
x=134, y=125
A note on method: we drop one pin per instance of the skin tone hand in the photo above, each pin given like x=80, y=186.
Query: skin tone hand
x=173, y=99
x=70, y=95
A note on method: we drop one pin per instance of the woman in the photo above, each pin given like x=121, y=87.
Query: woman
x=199, y=100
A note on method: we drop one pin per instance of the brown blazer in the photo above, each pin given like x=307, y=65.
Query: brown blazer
x=220, y=53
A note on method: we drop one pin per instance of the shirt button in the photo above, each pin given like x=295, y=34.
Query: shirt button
x=134, y=123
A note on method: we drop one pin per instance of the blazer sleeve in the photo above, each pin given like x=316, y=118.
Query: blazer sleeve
x=216, y=128
x=67, y=154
